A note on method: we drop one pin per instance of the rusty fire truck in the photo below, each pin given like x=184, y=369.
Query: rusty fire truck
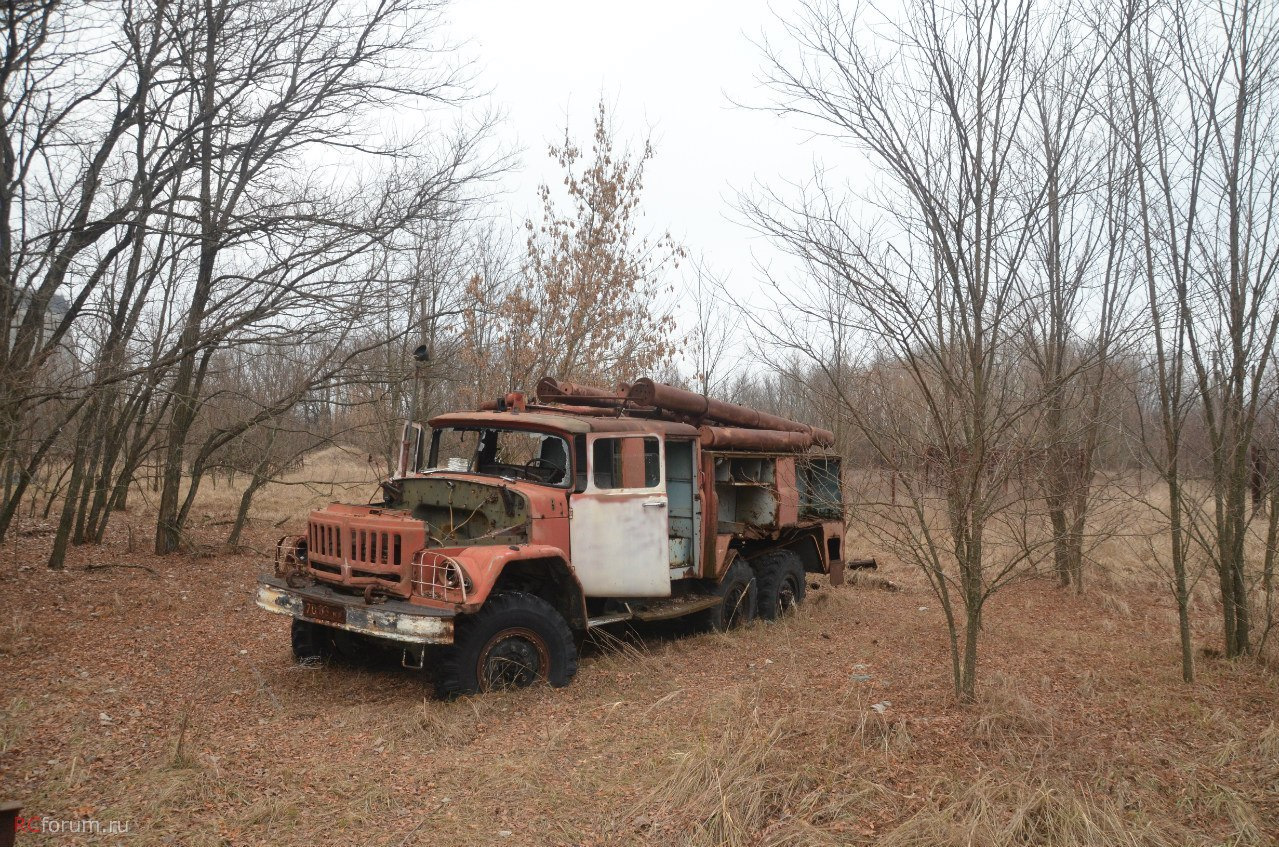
x=519, y=527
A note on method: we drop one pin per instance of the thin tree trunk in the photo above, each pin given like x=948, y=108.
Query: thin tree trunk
x=62, y=537
x=260, y=478
x=168, y=530
x=1181, y=590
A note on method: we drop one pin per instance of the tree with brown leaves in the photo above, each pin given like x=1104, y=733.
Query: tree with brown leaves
x=588, y=309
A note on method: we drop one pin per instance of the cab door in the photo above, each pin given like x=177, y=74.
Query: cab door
x=618, y=528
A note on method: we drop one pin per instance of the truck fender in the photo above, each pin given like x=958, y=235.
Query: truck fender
x=539, y=569
x=811, y=552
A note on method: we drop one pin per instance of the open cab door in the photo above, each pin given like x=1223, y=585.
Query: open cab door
x=412, y=441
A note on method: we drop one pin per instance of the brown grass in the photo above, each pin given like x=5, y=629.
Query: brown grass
x=1030, y=812
x=1005, y=716
x=760, y=775
x=334, y=474
x=834, y=727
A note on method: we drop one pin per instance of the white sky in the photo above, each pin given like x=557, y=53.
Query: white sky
x=667, y=68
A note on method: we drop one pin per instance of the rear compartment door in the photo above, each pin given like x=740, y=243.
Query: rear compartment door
x=684, y=506
x=618, y=528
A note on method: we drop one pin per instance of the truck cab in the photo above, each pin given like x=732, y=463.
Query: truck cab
x=511, y=531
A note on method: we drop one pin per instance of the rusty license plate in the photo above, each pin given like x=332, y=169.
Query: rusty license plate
x=323, y=612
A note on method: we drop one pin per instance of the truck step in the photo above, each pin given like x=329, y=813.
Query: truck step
x=657, y=610
x=676, y=607
x=613, y=617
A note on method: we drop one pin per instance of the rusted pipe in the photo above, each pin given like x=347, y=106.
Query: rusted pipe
x=549, y=388
x=557, y=408
x=647, y=392
x=754, y=439
x=565, y=409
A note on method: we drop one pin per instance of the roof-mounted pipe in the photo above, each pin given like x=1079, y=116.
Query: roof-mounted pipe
x=735, y=438
x=649, y=393
x=551, y=390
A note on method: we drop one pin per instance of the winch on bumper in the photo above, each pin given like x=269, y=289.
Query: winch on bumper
x=395, y=620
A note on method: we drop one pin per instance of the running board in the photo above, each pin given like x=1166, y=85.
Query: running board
x=616, y=617
x=675, y=608
x=659, y=610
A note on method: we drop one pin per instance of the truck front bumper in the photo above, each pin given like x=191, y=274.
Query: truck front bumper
x=395, y=620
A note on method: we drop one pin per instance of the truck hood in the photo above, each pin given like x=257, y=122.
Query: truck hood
x=463, y=510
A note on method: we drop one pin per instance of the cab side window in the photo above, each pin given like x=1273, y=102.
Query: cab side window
x=652, y=463
x=626, y=463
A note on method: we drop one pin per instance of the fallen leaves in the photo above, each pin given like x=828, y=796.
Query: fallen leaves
x=273, y=753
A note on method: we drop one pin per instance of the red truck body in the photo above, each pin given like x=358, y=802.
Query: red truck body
x=526, y=524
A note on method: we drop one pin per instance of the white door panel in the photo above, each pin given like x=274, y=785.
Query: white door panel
x=619, y=544
x=619, y=523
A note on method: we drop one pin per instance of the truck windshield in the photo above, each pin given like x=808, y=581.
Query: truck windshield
x=507, y=453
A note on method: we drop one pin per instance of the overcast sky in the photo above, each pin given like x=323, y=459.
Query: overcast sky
x=667, y=68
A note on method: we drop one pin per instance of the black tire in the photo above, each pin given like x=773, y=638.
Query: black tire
x=312, y=642
x=514, y=641
x=781, y=583
x=739, y=590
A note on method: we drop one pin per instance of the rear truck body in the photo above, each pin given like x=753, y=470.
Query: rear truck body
x=517, y=528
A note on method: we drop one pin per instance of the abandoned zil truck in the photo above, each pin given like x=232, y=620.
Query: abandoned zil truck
x=523, y=525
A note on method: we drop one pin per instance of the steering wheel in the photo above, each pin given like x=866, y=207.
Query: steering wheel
x=555, y=471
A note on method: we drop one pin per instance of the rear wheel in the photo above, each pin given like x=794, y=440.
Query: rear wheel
x=738, y=590
x=781, y=583
x=514, y=641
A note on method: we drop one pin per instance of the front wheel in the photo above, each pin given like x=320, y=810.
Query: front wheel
x=514, y=641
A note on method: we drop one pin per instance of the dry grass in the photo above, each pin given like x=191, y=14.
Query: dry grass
x=1004, y=716
x=871, y=579
x=12, y=626
x=1030, y=812
x=334, y=474
x=757, y=774
x=12, y=724
x=1267, y=747
x=833, y=727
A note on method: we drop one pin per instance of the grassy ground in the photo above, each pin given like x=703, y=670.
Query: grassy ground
x=165, y=698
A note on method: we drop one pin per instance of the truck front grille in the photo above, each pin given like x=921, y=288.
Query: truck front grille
x=325, y=540
x=385, y=548
x=359, y=550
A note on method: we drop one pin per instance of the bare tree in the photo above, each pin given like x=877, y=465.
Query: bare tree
x=931, y=291
x=75, y=93
x=479, y=370
x=185, y=179
x=712, y=334
x=1203, y=134
x=1082, y=287
x=273, y=83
